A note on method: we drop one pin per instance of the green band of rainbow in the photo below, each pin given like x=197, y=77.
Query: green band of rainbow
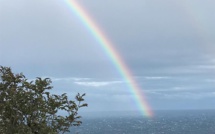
x=109, y=49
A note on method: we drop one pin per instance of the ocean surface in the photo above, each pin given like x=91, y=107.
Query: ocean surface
x=164, y=122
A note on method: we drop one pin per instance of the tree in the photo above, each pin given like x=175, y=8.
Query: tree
x=28, y=107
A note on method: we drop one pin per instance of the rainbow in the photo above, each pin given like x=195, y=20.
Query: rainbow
x=196, y=16
x=111, y=52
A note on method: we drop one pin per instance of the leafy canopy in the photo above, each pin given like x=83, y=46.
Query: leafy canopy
x=28, y=107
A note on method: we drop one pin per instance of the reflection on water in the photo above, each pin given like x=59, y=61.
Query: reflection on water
x=165, y=122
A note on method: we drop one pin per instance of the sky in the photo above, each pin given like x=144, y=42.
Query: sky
x=167, y=45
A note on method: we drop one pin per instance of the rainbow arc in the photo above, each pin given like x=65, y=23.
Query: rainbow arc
x=112, y=53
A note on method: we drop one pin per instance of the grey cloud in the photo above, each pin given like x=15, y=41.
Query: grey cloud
x=98, y=84
x=167, y=52
x=157, y=77
x=69, y=79
x=190, y=95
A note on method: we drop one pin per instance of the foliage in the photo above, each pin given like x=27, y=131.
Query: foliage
x=27, y=107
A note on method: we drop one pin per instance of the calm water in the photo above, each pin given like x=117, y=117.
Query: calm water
x=164, y=122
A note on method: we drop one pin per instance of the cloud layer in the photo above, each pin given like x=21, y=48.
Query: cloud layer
x=168, y=46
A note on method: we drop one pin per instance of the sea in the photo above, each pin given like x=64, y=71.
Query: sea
x=163, y=122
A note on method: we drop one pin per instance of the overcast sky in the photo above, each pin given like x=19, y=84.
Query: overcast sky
x=168, y=45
